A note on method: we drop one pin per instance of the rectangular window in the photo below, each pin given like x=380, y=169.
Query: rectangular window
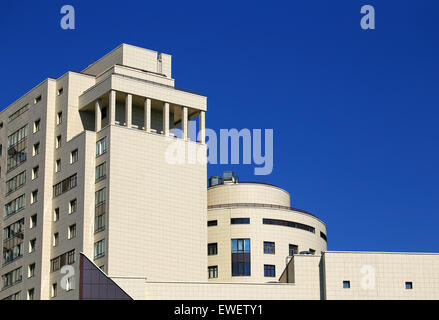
x=12, y=253
x=59, y=118
x=56, y=215
x=31, y=270
x=212, y=249
x=11, y=278
x=30, y=294
x=35, y=171
x=53, y=291
x=32, y=245
x=55, y=239
x=346, y=284
x=36, y=125
x=15, y=182
x=17, y=137
x=72, y=206
x=290, y=224
x=100, y=196
x=269, y=270
x=15, y=205
x=212, y=223
x=33, y=221
x=17, y=148
x=100, y=172
x=241, y=257
x=100, y=222
x=58, y=165
x=37, y=99
x=269, y=247
x=293, y=249
x=60, y=91
x=65, y=185
x=101, y=146
x=239, y=220
x=99, y=249
x=409, y=285
x=62, y=260
x=72, y=231
x=18, y=113
x=34, y=196
x=36, y=149
x=213, y=272
x=15, y=296
x=74, y=156
x=58, y=142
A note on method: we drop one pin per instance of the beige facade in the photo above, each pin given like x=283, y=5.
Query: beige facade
x=100, y=162
x=104, y=186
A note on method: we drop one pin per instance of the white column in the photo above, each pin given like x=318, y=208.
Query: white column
x=166, y=119
x=98, y=115
x=147, y=114
x=202, y=123
x=184, y=123
x=112, y=107
x=128, y=110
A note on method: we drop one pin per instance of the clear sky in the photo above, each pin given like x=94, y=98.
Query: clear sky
x=354, y=112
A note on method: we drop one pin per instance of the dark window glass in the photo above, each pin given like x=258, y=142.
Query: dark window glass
x=269, y=270
x=269, y=247
x=293, y=249
x=409, y=285
x=241, y=257
x=290, y=224
x=346, y=284
x=212, y=249
x=212, y=223
x=240, y=221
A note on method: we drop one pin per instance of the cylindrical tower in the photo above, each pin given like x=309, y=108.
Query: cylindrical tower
x=252, y=231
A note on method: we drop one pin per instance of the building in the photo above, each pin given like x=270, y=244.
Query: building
x=96, y=206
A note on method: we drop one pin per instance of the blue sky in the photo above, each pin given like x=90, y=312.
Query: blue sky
x=354, y=112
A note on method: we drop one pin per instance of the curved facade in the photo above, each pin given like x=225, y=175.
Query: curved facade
x=252, y=230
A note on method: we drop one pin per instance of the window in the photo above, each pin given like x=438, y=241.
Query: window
x=65, y=185
x=312, y=251
x=290, y=224
x=58, y=165
x=99, y=249
x=72, y=231
x=99, y=222
x=409, y=285
x=293, y=249
x=30, y=294
x=60, y=91
x=32, y=245
x=72, y=206
x=101, y=146
x=53, y=292
x=11, y=278
x=213, y=272
x=269, y=247
x=346, y=284
x=34, y=196
x=100, y=172
x=56, y=215
x=240, y=257
x=33, y=221
x=12, y=253
x=37, y=99
x=58, y=141
x=31, y=270
x=240, y=220
x=35, y=171
x=59, y=118
x=104, y=113
x=100, y=197
x=18, y=113
x=323, y=236
x=36, y=149
x=212, y=223
x=212, y=249
x=15, y=296
x=62, y=260
x=15, y=205
x=74, y=156
x=1, y=149
x=17, y=137
x=15, y=182
x=55, y=239
x=36, y=125
x=269, y=270
x=14, y=230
